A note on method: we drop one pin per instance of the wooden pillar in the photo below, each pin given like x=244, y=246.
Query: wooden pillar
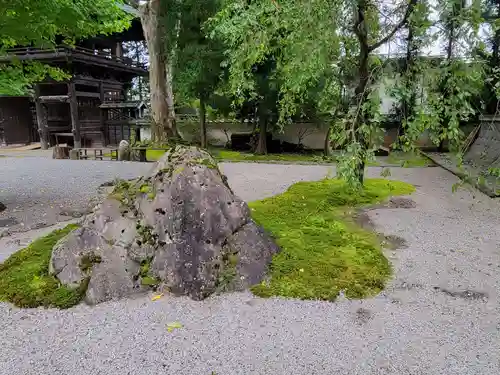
x=42, y=120
x=102, y=116
x=75, y=121
x=119, y=49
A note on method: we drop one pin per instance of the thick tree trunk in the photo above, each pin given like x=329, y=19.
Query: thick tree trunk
x=203, y=123
x=327, y=149
x=262, y=143
x=163, y=124
x=170, y=96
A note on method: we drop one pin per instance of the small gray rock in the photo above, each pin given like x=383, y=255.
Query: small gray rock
x=124, y=151
x=74, y=154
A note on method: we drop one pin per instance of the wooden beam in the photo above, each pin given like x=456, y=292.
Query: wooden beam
x=53, y=98
x=73, y=107
x=41, y=118
x=86, y=82
x=88, y=94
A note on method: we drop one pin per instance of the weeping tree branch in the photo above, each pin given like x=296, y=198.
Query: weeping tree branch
x=396, y=28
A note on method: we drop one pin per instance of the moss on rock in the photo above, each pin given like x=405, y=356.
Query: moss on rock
x=87, y=261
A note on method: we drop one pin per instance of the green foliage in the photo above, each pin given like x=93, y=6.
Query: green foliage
x=286, y=32
x=16, y=78
x=198, y=58
x=40, y=24
x=146, y=278
x=450, y=86
x=25, y=280
x=323, y=251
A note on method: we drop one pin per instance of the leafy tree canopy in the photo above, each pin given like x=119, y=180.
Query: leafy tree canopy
x=198, y=58
x=301, y=37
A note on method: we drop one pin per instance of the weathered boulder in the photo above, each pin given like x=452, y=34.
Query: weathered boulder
x=124, y=151
x=178, y=228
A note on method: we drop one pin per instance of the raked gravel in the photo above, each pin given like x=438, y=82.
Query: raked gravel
x=36, y=190
x=439, y=315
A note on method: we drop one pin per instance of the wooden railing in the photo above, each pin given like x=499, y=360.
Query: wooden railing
x=67, y=50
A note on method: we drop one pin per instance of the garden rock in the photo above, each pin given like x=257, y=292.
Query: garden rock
x=124, y=151
x=179, y=228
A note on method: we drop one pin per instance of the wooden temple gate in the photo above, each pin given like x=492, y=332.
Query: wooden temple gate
x=84, y=111
x=87, y=111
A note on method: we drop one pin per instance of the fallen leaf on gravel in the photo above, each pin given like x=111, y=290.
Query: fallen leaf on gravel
x=157, y=297
x=173, y=325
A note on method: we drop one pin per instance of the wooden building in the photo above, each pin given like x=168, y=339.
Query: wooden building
x=86, y=110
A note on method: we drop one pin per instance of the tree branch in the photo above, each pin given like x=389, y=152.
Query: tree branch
x=396, y=28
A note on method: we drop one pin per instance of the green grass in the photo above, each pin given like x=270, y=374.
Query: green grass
x=323, y=250
x=408, y=159
x=25, y=279
x=154, y=155
x=235, y=156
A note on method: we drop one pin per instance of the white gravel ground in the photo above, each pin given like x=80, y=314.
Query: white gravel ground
x=37, y=189
x=421, y=325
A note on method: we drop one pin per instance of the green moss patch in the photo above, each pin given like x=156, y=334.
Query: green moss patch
x=409, y=159
x=25, y=280
x=323, y=250
x=236, y=156
x=154, y=155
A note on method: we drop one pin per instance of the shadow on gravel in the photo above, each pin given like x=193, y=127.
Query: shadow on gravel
x=363, y=316
x=470, y=295
x=399, y=202
x=8, y=222
x=391, y=242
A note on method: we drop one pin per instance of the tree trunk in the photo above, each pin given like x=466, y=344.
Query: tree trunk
x=170, y=96
x=408, y=104
x=163, y=124
x=444, y=120
x=494, y=61
x=203, y=123
x=361, y=92
x=327, y=149
x=169, y=67
x=262, y=143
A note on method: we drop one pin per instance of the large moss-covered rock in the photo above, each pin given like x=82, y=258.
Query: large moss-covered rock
x=180, y=227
